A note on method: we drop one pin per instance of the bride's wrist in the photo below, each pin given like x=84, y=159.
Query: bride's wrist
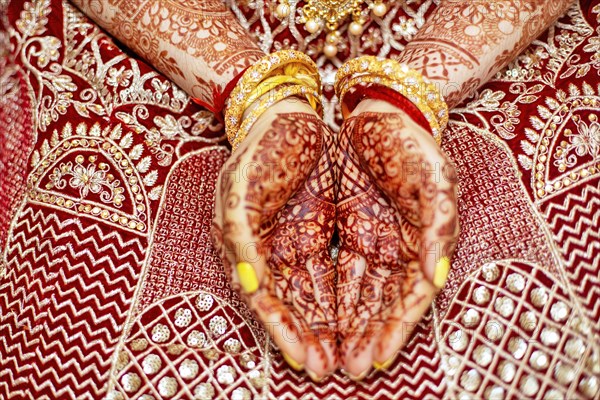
x=377, y=98
x=288, y=104
x=375, y=105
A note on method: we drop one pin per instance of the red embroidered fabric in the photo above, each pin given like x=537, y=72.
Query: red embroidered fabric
x=110, y=288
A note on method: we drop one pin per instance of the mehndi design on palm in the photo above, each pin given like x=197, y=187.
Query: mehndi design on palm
x=276, y=211
x=396, y=218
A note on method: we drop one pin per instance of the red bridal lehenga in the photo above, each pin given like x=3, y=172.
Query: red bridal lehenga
x=109, y=284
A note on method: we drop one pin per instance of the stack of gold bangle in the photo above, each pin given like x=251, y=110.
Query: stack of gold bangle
x=277, y=75
x=408, y=82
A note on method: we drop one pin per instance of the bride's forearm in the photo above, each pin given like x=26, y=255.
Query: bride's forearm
x=199, y=45
x=465, y=42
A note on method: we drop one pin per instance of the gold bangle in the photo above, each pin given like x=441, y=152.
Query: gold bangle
x=427, y=112
x=408, y=82
x=275, y=64
x=272, y=83
x=267, y=102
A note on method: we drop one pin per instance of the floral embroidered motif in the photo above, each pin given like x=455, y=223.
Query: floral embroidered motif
x=587, y=141
x=88, y=179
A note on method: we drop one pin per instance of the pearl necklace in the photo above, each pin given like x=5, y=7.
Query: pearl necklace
x=330, y=14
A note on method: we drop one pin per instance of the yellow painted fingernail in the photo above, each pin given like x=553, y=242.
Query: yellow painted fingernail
x=313, y=376
x=360, y=377
x=291, y=362
x=442, y=268
x=383, y=366
x=247, y=276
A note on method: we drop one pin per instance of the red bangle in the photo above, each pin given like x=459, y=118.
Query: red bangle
x=380, y=92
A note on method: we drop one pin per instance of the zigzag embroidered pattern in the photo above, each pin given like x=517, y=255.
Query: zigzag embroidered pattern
x=580, y=245
x=67, y=289
x=417, y=375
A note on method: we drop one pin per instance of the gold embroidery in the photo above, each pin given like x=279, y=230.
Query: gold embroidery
x=89, y=171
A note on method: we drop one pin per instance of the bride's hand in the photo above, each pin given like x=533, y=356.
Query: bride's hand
x=396, y=219
x=274, y=218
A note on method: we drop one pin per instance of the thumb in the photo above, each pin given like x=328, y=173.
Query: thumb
x=440, y=228
x=244, y=249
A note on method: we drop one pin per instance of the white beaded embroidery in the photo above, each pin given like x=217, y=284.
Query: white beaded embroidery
x=538, y=360
x=494, y=330
x=528, y=321
x=470, y=380
x=131, y=382
x=490, y=272
x=508, y=371
x=183, y=317
x=458, y=340
x=160, y=333
x=515, y=283
x=517, y=347
x=218, y=325
x=188, y=369
x=483, y=355
x=204, y=302
x=196, y=339
x=504, y=306
x=204, y=391
x=550, y=336
x=481, y=295
x=226, y=375
x=167, y=386
x=559, y=311
x=240, y=394
x=529, y=385
x=539, y=297
x=151, y=364
x=232, y=345
x=471, y=318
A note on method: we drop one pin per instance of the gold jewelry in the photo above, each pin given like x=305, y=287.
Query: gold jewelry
x=331, y=14
x=292, y=74
x=408, y=82
x=283, y=67
x=266, y=102
x=419, y=103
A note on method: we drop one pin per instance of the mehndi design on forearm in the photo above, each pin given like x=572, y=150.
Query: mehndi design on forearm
x=465, y=42
x=200, y=45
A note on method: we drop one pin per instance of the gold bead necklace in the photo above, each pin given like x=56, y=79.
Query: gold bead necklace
x=330, y=14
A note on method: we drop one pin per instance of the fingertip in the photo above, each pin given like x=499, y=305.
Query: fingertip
x=385, y=365
x=441, y=270
x=437, y=268
x=403, y=321
x=359, y=377
x=331, y=351
x=385, y=353
x=313, y=375
x=247, y=276
x=291, y=362
x=280, y=325
x=359, y=357
x=318, y=365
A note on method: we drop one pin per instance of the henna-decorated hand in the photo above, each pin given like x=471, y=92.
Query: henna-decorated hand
x=274, y=219
x=396, y=218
